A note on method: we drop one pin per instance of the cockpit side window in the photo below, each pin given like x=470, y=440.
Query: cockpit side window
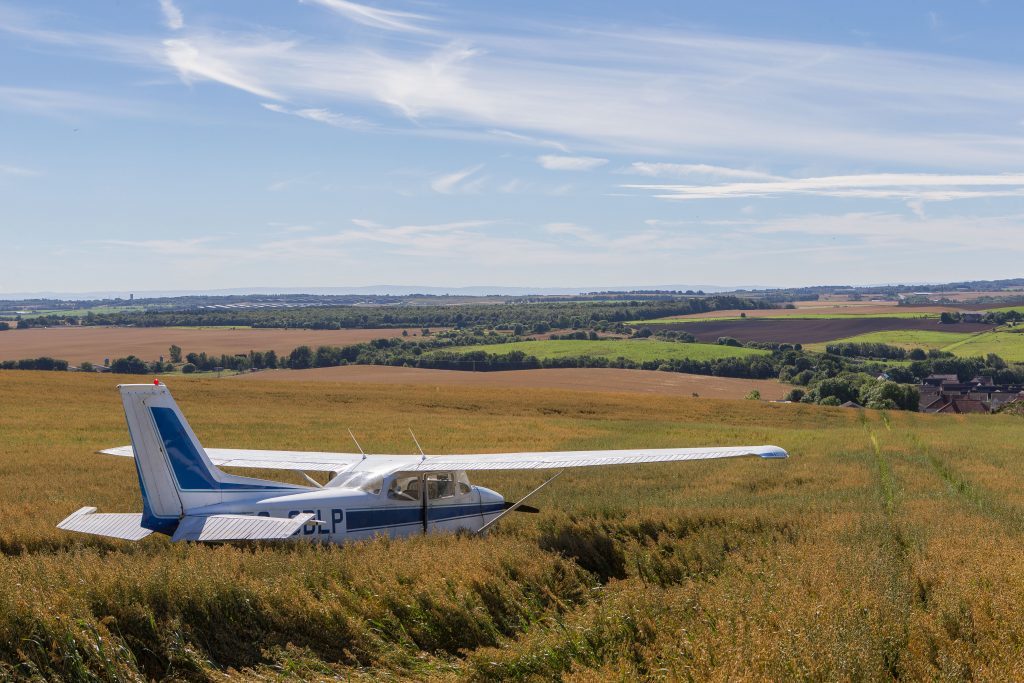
x=441, y=485
x=405, y=487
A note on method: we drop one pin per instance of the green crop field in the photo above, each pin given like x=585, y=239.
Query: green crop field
x=888, y=546
x=632, y=349
x=127, y=308
x=1008, y=345
x=907, y=339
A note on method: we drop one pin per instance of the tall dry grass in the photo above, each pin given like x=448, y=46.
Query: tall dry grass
x=887, y=547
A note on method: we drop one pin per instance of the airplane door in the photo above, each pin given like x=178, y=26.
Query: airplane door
x=450, y=502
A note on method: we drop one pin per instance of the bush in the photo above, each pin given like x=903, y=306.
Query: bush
x=883, y=394
x=188, y=369
x=300, y=358
x=795, y=395
x=728, y=341
x=42, y=363
x=754, y=395
x=130, y=366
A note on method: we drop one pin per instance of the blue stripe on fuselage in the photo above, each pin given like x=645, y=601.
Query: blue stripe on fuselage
x=383, y=517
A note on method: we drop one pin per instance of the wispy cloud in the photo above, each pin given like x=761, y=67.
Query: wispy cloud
x=659, y=169
x=227, y=63
x=389, y=20
x=905, y=186
x=173, y=18
x=452, y=183
x=571, y=229
x=18, y=171
x=553, y=162
x=670, y=92
x=185, y=247
x=880, y=229
x=512, y=186
x=64, y=103
x=529, y=140
x=331, y=118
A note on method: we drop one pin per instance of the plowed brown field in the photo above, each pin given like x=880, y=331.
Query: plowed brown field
x=77, y=344
x=580, y=379
x=804, y=308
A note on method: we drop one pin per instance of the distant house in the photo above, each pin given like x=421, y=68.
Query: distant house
x=971, y=317
x=947, y=394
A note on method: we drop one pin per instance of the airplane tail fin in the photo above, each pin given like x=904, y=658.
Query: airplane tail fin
x=177, y=480
x=175, y=474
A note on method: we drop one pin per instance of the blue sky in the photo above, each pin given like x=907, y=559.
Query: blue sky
x=176, y=144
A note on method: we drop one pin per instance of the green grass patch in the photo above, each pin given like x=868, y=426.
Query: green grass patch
x=907, y=339
x=1007, y=345
x=632, y=349
x=38, y=313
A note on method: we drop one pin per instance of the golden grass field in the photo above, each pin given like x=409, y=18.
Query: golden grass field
x=571, y=379
x=93, y=344
x=888, y=546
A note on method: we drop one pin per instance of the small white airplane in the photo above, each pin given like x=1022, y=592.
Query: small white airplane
x=187, y=497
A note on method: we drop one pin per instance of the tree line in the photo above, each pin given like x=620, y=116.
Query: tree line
x=553, y=314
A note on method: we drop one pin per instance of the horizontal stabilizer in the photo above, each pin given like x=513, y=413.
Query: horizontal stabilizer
x=123, y=525
x=213, y=528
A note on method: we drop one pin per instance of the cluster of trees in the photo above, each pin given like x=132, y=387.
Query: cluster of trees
x=578, y=335
x=861, y=388
x=132, y=365
x=990, y=318
x=531, y=316
x=675, y=335
x=41, y=363
x=874, y=350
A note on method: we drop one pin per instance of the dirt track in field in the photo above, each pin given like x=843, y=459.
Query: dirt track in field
x=811, y=331
x=77, y=344
x=576, y=379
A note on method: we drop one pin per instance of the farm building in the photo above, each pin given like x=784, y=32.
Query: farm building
x=947, y=394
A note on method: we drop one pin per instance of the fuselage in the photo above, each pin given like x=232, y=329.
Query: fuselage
x=363, y=503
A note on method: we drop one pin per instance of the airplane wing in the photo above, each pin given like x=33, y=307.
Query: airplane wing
x=541, y=460
x=567, y=459
x=303, y=461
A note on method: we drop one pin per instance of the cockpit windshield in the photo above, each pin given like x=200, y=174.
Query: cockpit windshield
x=364, y=481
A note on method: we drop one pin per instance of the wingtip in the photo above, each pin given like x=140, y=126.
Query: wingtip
x=771, y=452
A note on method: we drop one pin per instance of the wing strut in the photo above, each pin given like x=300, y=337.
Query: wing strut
x=513, y=508
x=423, y=456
